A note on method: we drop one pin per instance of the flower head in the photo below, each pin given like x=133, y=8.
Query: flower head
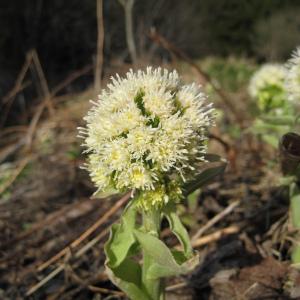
x=293, y=77
x=145, y=131
x=268, y=88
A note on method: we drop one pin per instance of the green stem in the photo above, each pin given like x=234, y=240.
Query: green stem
x=151, y=223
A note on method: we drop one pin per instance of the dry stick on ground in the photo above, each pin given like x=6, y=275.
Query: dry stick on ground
x=45, y=280
x=60, y=268
x=39, y=111
x=204, y=241
x=203, y=77
x=100, y=41
x=62, y=215
x=87, y=284
x=176, y=286
x=43, y=81
x=18, y=87
x=33, y=59
x=217, y=218
x=215, y=236
x=33, y=124
x=96, y=289
x=87, y=233
x=197, y=243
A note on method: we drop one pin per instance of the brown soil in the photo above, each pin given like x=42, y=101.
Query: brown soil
x=48, y=206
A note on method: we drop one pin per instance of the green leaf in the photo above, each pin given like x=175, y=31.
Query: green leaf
x=178, y=229
x=271, y=140
x=212, y=157
x=127, y=277
x=296, y=255
x=280, y=120
x=203, y=178
x=261, y=127
x=192, y=199
x=123, y=271
x=164, y=262
x=110, y=191
x=179, y=256
x=160, y=271
x=121, y=238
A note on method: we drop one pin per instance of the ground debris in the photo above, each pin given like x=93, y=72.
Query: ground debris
x=48, y=207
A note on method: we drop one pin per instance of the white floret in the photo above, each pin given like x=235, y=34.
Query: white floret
x=143, y=128
x=268, y=75
x=293, y=77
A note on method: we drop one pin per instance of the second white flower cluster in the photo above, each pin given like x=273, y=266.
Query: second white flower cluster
x=274, y=84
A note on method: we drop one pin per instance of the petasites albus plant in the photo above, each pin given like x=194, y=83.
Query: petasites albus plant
x=290, y=152
x=147, y=134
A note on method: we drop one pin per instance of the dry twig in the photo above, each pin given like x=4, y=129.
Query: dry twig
x=44, y=280
x=43, y=81
x=97, y=289
x=217, y=218
x=215, y=236
x=87, y=233
x=64, y=214
x=100, y=41
x=176, y=286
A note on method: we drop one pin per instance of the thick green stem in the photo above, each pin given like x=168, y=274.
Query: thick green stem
x=154, y=287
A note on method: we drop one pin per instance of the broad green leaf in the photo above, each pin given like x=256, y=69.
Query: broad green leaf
x=121, y=238
x=164, y=262
x=178, y=229
x=127, y=276
x=124, y=272
x=160, y=271
x=203, y=178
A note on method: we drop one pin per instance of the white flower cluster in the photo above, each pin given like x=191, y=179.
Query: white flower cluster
x=144, y=130
x=269, y=75
x=293, y=77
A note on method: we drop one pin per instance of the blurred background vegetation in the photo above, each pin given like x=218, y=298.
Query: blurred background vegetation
x=64, y=33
